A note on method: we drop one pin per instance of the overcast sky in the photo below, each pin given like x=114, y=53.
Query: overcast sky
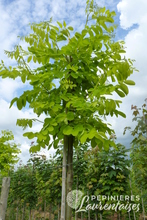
x=15, y=15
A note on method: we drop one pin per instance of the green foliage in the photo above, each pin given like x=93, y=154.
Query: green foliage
x=22, y=194
x=88, y=66
x=139, y=150
x=8, y=152
x=108, y=171
x=36, y=182
x=104, y=173
x=48, y=177
x=99, y=172
x=139, y=143
x=80, y=167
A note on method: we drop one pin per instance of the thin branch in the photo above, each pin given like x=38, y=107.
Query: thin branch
x=45, y=88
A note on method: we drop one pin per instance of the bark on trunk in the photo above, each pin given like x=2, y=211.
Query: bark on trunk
x=69, y=174
x=63, y=201
x=4, y=197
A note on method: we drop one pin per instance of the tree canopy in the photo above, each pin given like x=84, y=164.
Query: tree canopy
x=86, y=66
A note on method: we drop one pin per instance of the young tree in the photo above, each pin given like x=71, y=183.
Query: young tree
x=139, y=149
x=8, y=157
x=87, y=65
x=107, y=173
x=48, y=176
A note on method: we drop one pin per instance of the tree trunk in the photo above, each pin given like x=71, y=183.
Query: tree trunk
x=59, y=211
x=77, y=186
x=44, y=209
x=100, y=216
x=143, y=207
x=132, y=194
x=96, y=215
x=4, y=197
x=23, y=212
x=33, y=214
x=76, y=214
x=30, y=214
x=17, y=211
x=69, y=174
x=50, y=212
x=88, y=214
x=129, y=215
x=81, y=215
x=63, y=201
x=88, y=209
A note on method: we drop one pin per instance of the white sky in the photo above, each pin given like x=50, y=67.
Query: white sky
x=15, y=15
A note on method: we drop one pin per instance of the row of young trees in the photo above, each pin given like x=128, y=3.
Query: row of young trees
x=36, y=187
